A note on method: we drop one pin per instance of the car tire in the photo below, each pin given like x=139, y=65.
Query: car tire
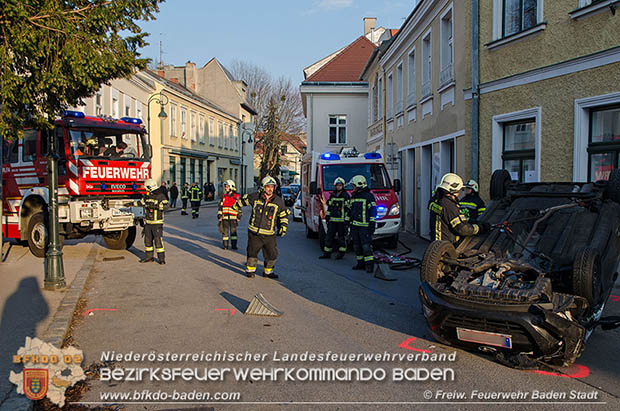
x=499, y=184
x=392, y=242
x=120, y=240
x=38, y=235
x=431, y=269
x=613, y=185
x=586, y=281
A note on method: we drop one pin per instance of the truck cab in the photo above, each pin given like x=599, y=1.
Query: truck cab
x=319, y=170
x=102, y=163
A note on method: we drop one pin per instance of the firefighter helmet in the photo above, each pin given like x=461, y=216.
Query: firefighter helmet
x=150, y=184
x=472, y=184
x=339, y=180
x=359, y=181
x=268, y=180
x=230, y=184
x=452, y=183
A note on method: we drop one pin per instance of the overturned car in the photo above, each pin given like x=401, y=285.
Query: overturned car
x=532, y=288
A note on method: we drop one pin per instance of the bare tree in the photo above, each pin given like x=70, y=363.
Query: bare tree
x=262, y=87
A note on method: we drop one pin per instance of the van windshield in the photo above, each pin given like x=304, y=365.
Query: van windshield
x=107, y=143
x=375, y=174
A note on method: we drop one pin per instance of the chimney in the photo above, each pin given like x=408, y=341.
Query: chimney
x=370, y=24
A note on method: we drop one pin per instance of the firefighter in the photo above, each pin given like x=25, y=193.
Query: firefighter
x=362, y=213
x=195, y=195
x=269, y=218
x=154, y=203
x=447, y=221
x=336, y=217
x=184, y=197
x=471, y=204
x=227, y=216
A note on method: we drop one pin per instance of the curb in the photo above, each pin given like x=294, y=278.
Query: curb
x=57, y=329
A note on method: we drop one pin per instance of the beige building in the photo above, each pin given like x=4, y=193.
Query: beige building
x=197, y=141
x=216, y=84
x=549, y=90
x=416, y=110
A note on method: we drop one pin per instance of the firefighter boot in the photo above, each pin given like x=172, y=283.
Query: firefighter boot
x=370, y=266
x=233, y=244
x=340, y=255
x=269, y=273
x=147, y=258
x=225, y=244
x=325, y=255
x=161, y=258
x=360, y=264
x=183, y=212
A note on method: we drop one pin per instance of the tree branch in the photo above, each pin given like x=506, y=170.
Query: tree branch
x=90, y=6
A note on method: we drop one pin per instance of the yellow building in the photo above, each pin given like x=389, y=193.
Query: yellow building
x=196, y=142
x=549, y=90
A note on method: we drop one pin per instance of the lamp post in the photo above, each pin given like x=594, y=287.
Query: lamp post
x=243, y=173
x=54, y=268
x=162, y=100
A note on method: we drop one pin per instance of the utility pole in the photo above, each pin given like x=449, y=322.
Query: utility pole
x=55, y=271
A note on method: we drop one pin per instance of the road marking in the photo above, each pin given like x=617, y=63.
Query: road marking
x=575, y=371
x=232, y=310
x=615, y=298
x=405, y=345
x=87, y=312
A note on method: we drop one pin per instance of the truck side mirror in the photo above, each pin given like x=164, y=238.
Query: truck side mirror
x=397, y=185
x=313, y=188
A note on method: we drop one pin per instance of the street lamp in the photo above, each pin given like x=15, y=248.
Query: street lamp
x=54, y=268
x=160, y=99
x=243, y=173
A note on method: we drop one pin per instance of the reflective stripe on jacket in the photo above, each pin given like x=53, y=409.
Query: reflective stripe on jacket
x=195, y=193
x=362, y=208
x=154, y=203
x=226, y=209
x=266, y=214
x=447, y=221
x=472, y=206
x=337, y=207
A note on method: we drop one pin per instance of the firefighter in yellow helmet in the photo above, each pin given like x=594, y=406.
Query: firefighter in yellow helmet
x=336, y=217
x=269, y=219
x=362, y=211
x=447, y=221
x=471, y=204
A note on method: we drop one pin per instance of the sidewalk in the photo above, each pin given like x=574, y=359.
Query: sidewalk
x=29, y=310
x=206, y=204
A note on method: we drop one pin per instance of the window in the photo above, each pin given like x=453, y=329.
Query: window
x=380, y=99
x=411, y=79
x=283, y=150
x=201, y=129
x=373, y=102
x=183, y=179
x=127, y=106
x=192, y=171
x=446, y=75
x=375, y=174
x=399, y=88
x=29, y=145
x=220, y=140
x=225, y=137
x=519, y=15
x=427, y=66
x=13, y=156
x=115, y=107
x=193, y=128
x=172, y=169
x=230, y=136
x=211, y=131
x=183, y=123
x=604, y=142
x=518, y=156
x=389, y=100
x=99, y=103
x=237, y=138
x=200, y=173
x=337, y=129
x=139, y=111
x=173, y=119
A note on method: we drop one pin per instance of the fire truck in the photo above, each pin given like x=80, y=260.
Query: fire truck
x=319, y=170
x=102, y=164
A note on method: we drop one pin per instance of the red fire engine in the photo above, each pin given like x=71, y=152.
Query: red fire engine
x=102, y=163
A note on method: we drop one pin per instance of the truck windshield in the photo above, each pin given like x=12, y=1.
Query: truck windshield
x=375, y=174
x=107, y=143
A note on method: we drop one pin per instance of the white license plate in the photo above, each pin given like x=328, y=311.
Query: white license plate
x=484, y=337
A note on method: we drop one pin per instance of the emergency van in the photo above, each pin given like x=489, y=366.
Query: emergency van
x=318, y=172
x=102, y=164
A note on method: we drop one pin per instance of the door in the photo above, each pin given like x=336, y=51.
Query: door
x=426, y=189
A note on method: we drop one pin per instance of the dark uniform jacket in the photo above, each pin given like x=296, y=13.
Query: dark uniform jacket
x=195, y=194
x=447, y=221
x=266, y=215
x=184, y=192
x=362, y=208
x=154, y=203
x=472, y=206
x=337, y=207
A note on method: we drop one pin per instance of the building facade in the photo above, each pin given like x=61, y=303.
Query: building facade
x=416, y=110
x=549, y=90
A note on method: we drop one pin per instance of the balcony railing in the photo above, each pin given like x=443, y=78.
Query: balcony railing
x=446, y=75
x=427, y=88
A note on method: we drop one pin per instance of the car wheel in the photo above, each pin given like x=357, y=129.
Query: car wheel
x=613, y=185
x=120, y=240
x=499, y=184
x=432, y=267
x=586, y=279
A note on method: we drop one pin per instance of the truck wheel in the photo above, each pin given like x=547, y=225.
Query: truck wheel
x=392, y=242
x=613, y=185
x=432, y=268
x=499, y=184
x=586, y=279
x=38, y=238
x=120, y=240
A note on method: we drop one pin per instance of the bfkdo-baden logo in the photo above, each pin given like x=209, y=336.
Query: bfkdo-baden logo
x=35, y=383
x=48, y=371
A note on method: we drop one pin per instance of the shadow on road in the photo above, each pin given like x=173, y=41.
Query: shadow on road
x=22, y=311
x=239, y=303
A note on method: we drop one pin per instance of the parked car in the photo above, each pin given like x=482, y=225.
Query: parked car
x=288, y=195
x=534, y=286
x=297, y=208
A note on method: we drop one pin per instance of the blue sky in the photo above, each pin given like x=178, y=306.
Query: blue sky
x=282, y=36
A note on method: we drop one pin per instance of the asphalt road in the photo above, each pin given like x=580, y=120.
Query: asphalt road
x=186, y=306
